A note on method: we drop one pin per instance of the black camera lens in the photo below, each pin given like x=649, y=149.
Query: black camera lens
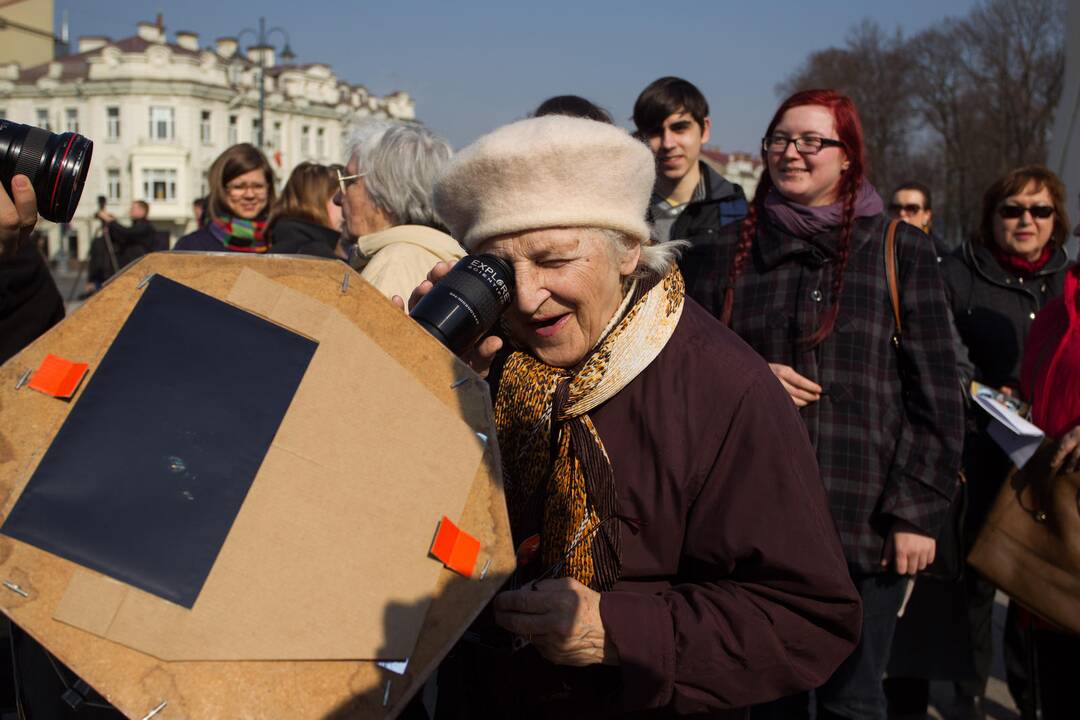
x=466, y=303
x=56, y=165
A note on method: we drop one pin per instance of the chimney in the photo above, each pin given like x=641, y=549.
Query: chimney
x=92, y=42
x=261, y=55
x=226, y=47
x=151, y=32
x=187, y=40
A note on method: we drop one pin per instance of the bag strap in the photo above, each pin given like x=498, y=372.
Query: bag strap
x=890, y=275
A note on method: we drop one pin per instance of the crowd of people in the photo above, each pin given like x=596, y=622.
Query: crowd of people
x=741, y=458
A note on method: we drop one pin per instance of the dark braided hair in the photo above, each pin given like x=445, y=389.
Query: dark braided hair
x=849, y=132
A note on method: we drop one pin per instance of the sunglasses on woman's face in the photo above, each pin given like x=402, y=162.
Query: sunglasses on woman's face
x=910, y=208
x=1013, y=212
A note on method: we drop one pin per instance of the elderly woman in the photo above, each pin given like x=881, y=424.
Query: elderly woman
x=385, y=196
x=677, y=554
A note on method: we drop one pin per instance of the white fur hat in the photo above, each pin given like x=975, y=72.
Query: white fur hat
x=545, y=172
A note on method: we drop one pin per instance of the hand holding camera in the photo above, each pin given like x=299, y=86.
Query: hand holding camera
x=459, y=305
x=18, y=215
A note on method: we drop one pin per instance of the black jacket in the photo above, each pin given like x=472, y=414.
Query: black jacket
x=993, y=310
x=700, y=221
x=30, y=304
x=293, y=235
x=131, y=243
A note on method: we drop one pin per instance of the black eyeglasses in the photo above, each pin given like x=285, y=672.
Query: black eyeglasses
x=1012, y=212
x=909, y=208
x=811, y=145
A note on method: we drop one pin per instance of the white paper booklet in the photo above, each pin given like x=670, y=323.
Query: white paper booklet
x=1016, y=436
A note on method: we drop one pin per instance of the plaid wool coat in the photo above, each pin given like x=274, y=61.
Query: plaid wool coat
x=889, y=426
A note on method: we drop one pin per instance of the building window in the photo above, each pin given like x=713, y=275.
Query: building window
x=233, y=125
x=320, y=142
x=71, y=120
x=204, y=128
x=255, y=131
x=275, y=136
x=162, y=123
x=159, y=184
x=43, y=119
x=112, y=184
x=112, y=123
x=204, y=184
x=305, y=141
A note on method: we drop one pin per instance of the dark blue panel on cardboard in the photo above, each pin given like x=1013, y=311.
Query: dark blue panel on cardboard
x=148, y=472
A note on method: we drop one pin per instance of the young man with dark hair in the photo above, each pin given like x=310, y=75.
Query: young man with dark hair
x=691, y=201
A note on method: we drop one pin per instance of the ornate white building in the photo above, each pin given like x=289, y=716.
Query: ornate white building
x=160, y=112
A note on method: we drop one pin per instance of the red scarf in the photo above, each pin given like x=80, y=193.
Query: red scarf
x=1021, y=266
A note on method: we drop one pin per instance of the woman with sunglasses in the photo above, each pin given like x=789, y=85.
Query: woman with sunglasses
x=802, y=280
x=997, y=283
x=241, y=193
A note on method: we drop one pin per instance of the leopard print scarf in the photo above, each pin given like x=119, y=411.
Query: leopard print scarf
x=559, y=479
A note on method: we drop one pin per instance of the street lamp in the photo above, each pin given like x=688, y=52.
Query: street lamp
x=262, y=44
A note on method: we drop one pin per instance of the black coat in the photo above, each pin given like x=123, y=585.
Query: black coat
x=296, y=236
x=993, y=310
x=30, y=304
x=131, y=243
x=701, y=220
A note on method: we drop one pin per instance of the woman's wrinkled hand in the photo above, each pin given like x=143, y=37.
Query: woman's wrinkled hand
x=18, y=214
x=802, y=390
x=908, y=548
x=561, y=618
x=1067, y=455
x=480, y=356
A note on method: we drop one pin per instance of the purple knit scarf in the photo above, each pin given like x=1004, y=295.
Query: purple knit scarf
x=806, y=222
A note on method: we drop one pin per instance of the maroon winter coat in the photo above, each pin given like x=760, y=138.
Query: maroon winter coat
x=734, y=591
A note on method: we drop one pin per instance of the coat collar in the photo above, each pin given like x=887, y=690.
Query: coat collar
x=774, y=245
x=984, y=261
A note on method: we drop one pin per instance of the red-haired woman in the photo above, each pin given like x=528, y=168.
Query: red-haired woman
x=802, y=280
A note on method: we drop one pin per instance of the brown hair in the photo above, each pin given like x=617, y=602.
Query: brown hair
x=306, y=193
x=849, y=131
x=231, y=164
x=1013, y=183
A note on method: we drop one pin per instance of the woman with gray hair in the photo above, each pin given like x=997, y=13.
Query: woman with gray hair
x=676, y=553
x=385, y=196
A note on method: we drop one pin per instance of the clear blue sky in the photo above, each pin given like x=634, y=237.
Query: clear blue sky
x=472, y=65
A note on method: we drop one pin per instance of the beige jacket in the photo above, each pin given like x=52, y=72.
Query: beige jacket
x=401, y=257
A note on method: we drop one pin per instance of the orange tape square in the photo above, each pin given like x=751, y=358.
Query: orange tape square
x=456, y=548
x=58, y=377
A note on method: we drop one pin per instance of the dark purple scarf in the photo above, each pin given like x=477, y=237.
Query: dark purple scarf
x=806, y=222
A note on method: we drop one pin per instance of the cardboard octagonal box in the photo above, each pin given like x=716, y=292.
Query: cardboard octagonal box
x=322, y=568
